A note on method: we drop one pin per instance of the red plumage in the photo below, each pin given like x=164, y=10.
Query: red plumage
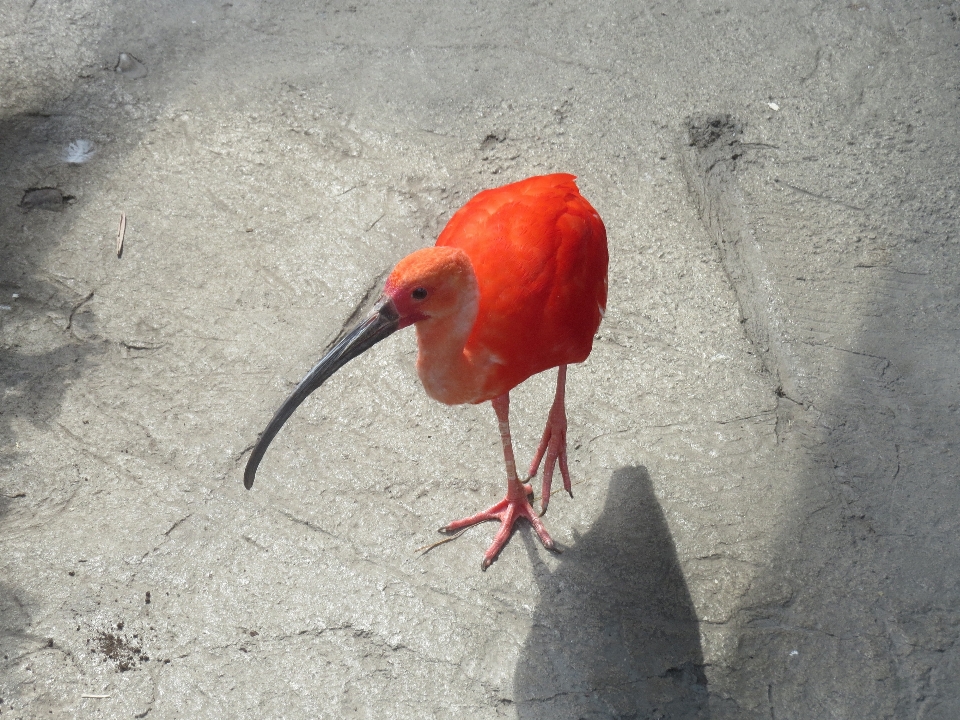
x=539, y=251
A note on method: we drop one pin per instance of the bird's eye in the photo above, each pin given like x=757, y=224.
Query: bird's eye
x=419, y=294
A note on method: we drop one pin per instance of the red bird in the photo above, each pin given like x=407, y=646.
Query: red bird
x=516, y=284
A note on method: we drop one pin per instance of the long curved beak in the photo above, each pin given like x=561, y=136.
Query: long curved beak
x=382, y=321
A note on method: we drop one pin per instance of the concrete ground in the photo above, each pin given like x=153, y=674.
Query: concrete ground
x=764, y=440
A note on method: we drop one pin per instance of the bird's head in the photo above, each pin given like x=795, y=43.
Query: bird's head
x=434, y=282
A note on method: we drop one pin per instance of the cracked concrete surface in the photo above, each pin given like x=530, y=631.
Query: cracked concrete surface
x=763, y=441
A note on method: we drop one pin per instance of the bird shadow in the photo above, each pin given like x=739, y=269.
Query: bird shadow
x=615, y=634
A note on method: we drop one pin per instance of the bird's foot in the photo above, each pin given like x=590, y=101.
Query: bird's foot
x=554, y=446
x=514, y=506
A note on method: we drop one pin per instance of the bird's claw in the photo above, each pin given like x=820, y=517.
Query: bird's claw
x=514, y=506
x=554, y=446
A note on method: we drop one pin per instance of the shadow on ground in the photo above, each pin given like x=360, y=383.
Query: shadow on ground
x=46, y=343
x=867, y=389
x=45, y=326
x=592, y=654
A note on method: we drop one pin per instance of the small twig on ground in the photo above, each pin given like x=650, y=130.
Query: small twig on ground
x=94, y=697
x=427, y=548
x=120, y=231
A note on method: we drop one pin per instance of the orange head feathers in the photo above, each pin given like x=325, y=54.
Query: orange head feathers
x=434, y=282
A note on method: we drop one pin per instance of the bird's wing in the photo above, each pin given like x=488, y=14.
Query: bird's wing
x=540, y=255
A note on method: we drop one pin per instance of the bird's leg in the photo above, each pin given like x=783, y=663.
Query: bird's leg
x=515, y=505
x=554, y=444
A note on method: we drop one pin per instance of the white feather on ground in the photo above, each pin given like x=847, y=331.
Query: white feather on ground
x=79, y=151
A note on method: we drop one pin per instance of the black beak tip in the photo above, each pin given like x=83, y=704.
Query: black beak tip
x=250, y=474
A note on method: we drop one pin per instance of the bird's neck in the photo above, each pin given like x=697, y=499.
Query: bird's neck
x=446, y=371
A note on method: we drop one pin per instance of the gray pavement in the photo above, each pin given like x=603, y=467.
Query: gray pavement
x=763, y=441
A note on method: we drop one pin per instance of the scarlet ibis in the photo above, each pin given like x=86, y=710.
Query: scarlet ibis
x=515, y=285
